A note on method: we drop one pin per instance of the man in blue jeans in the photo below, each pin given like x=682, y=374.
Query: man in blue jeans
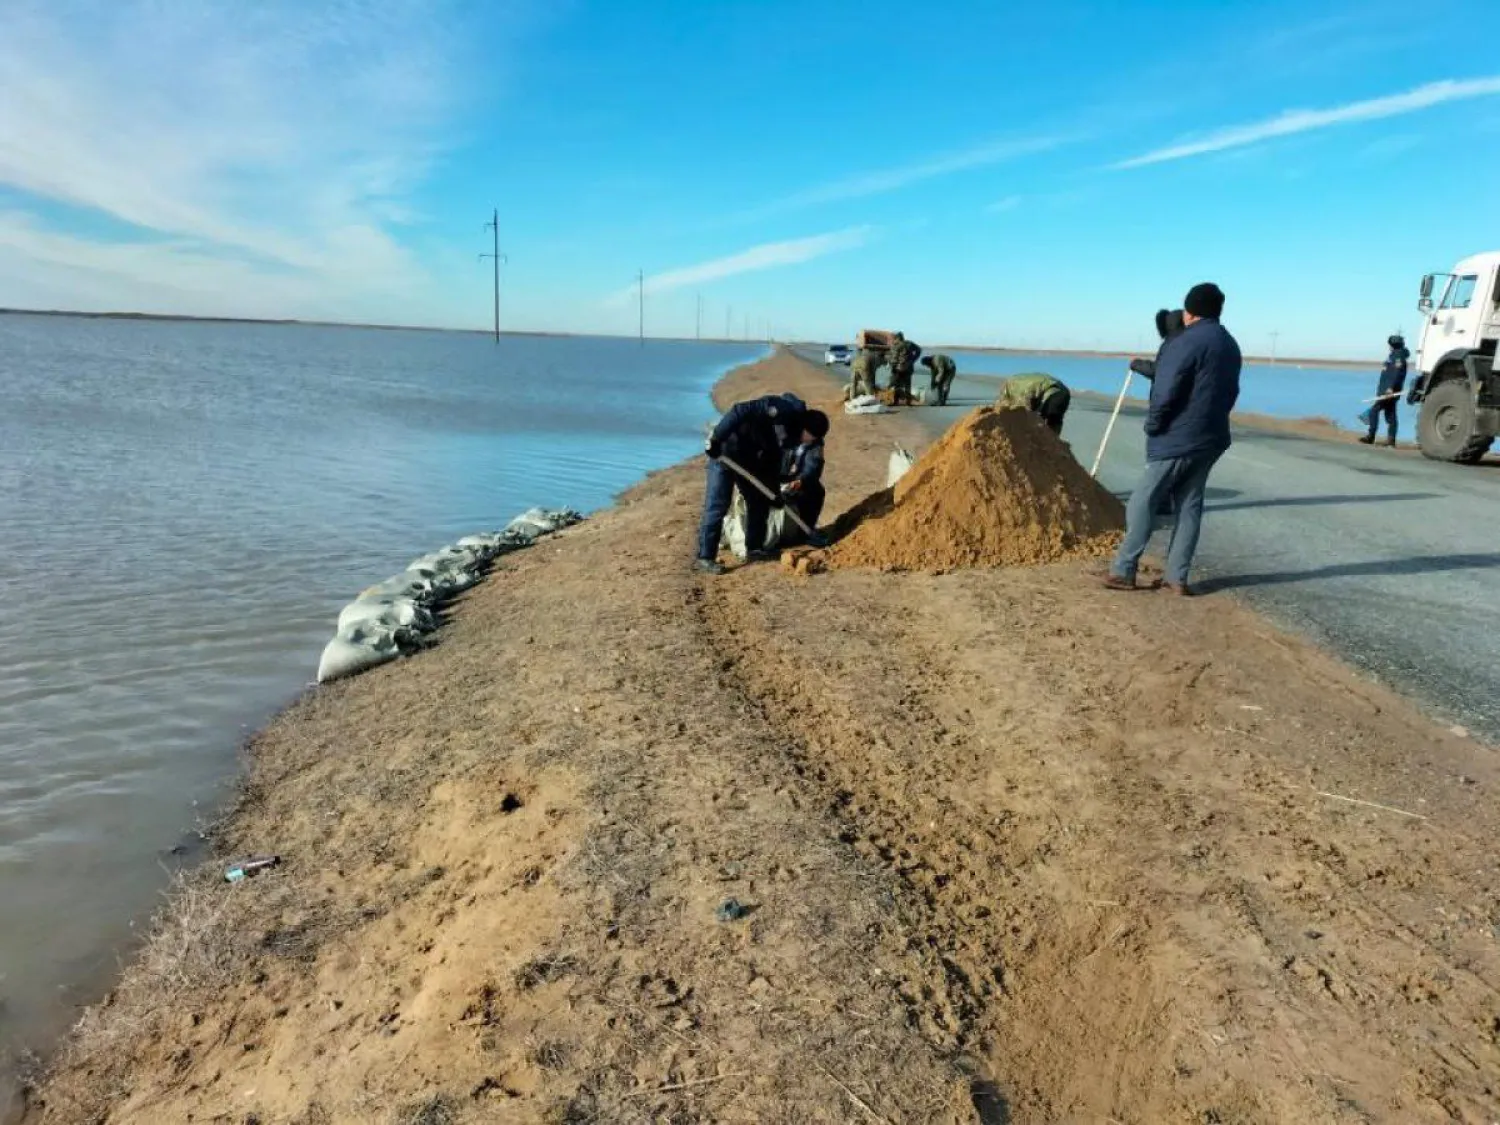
x=1187, y=431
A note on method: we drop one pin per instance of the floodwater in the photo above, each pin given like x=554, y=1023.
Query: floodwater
x=1279, y=390
x=184, y=509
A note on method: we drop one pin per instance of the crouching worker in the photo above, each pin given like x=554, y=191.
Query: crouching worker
x=803, y=490
x=756, y=436
x=943, y=370
x=1041, y=394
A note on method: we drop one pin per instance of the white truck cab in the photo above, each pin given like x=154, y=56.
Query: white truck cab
x=1456, y=382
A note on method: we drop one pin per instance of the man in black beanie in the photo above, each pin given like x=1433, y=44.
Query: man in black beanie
x=1187, y=430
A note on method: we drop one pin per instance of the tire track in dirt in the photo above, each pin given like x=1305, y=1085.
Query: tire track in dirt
x=1114, y=891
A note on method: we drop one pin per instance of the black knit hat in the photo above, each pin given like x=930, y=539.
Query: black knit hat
x=815, y=422
x=1204, y=300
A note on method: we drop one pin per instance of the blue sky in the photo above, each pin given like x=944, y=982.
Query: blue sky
x=987, y=173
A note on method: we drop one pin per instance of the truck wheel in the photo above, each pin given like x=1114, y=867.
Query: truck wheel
x=1447, y=428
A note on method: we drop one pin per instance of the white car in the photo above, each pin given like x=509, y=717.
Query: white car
x=838, y=353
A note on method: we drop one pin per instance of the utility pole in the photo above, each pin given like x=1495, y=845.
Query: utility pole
x=640, y=280
x=698, y=331
x=1274, y=337
x=494, y=226
x=728, y=316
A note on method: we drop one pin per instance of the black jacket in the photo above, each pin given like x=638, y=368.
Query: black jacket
x=1393, y=374
x=1168, y=325
x=1197, y=384
x=756, y=433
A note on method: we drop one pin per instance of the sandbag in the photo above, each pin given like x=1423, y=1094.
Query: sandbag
x=866, y=404
x=391, y=617
x=541, y=521
x=896, y=468
x=778, y=528
x=354, y=649
x=394, y=613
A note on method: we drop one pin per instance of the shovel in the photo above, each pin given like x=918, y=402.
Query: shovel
x=814, y=537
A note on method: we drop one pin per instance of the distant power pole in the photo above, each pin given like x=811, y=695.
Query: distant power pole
x=1274, y=337
x=640, y=280
x=494, y=226
x=698, y=331
x=728, y=316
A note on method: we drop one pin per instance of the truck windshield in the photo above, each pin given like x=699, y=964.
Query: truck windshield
x=1460, y=292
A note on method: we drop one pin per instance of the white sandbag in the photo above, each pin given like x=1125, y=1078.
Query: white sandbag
x=391, y=617
x=541, y=521
x=897, y=466
x=778, y=528
x=403, y=585
x=355, y=649
x=394, y=613
x=486, y=546
x=866, y=404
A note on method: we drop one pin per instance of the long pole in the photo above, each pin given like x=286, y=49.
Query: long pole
x=698, y=331
x=496, y=257
x=1109, y=429
x=640, y=279
x=728, y=315
x=1274, y=336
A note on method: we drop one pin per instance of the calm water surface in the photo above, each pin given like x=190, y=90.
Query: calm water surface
x=184, y=509
x=1279, y=390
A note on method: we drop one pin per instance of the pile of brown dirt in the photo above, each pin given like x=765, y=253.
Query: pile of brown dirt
x=1000, y=489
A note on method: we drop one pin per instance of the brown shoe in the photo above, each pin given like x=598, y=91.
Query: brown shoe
x=1115, y=582
x=1181, y=589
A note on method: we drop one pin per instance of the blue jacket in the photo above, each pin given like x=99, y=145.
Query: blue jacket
x=1393, y=374
x=756, y=433
x=1197, y=384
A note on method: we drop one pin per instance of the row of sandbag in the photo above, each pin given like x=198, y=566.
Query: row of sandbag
x=390, y=618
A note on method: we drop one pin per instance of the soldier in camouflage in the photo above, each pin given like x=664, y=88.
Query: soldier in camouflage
x=942, y=370
x=1041, y=394
x=904, y=355
x=864, y=367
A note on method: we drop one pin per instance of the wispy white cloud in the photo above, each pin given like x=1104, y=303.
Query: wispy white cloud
x=1297, y=121
x=1000, y=206
x=768, y=255
x=271, y=142
x=883, y=181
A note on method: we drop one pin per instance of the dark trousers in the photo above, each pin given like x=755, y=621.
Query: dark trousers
x=809, y=502
x=940, y=387
x=1054, y=408
x=1181, y=482
x=722, y=481
x=1388, y=409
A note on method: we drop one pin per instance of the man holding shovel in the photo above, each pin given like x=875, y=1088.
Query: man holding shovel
x=746, y=450
x=1392, y=380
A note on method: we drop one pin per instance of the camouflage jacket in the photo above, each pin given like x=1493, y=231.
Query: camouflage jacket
x=1030, y=391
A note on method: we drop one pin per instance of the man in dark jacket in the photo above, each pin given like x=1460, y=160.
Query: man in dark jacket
x=1187, y=430
x=756, y=435
x=1392, y=381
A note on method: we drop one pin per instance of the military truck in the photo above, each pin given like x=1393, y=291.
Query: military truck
x=1457, y=385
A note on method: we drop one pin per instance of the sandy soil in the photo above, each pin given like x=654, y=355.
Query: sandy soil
x=1012, y=849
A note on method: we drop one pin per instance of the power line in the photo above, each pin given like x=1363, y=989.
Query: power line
x=494, y=226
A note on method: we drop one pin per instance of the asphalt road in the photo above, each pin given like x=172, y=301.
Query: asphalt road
x=1383, y=557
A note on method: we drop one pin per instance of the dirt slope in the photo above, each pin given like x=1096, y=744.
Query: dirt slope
x=1012, y=850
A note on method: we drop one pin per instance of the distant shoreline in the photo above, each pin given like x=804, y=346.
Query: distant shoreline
x=1076, y=353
